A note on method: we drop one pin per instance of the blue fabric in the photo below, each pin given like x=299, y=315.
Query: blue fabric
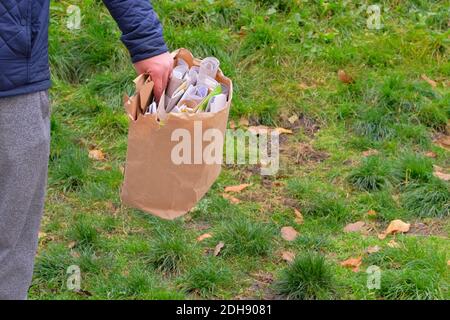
x=24, y=40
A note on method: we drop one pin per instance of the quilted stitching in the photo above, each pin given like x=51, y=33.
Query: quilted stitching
x=6, y=10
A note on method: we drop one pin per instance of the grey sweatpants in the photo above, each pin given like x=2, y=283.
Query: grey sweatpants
x=24, y=151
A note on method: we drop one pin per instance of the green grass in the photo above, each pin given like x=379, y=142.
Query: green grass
x=371, y=175
x=283, y=57
x=309, y=277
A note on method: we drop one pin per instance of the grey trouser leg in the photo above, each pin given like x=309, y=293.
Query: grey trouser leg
x=24, y=151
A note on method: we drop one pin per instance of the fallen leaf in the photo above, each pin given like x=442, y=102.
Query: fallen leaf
x=372, y=213
x=71, y=244
x=344, y=77
x=354, y=227
x=430, y=82
x=237, y=188
x=352, y=263
x=203, y=237
x=443, y=141
x=448, y=262
x=265, y=130
x=75, y=254
x=283, y=131
x=304, y=86
x=439, y=173
x=243, y=122
x=230, y=198
x=430, y=154
x=298, y=216
x=232, y=124
x=292, y=119
x=96, y=155
x=289, y=233
x=393, y=244
x=373, y=249
x=218, y=248
x=288, y=256
x=41, y=235
x=396, y=226
x=370, y=152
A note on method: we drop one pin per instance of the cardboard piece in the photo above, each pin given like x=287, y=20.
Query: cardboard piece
x=153, y=182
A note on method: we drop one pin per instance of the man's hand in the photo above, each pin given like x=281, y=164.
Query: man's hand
x=159, y=68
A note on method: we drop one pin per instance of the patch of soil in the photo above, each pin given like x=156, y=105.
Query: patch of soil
x=260, y=289
x=434, y=227
x=303, y=153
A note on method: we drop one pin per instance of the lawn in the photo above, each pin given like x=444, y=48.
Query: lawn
x=370, y=145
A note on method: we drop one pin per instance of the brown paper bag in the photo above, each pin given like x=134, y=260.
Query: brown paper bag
x=153, y=182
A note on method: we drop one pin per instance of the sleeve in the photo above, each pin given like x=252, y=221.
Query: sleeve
x=140, y=26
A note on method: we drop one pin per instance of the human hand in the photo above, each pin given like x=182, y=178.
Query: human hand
x=159, y=68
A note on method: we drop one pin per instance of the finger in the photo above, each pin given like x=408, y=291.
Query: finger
x=158, y=87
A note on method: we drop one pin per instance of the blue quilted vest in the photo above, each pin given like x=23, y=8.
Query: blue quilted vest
x=24, y=64
x=23, y=46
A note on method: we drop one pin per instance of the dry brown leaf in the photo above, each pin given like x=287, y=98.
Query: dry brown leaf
x=304, y=86
x=439, y=173
x=372, y=213
x=71, y=244
x=243, y=122
x=396, y=226
x=444, y=142
x=203, y=237
x=96, y=155
x=288, y=256
x=344, y=77
x=352, y=263
x=373, y=249
x=237, y=188
x=430, y=154
x=298, y=216
x=289, y=233
x=393, y=244
x=283, y=131
x=264, y=130
x=430, y=81
x=448, y=262
x=354, y=227
x=41, y=235
x=218, y=248
x=230, y=198
x=370, y=152
x=292, y=119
